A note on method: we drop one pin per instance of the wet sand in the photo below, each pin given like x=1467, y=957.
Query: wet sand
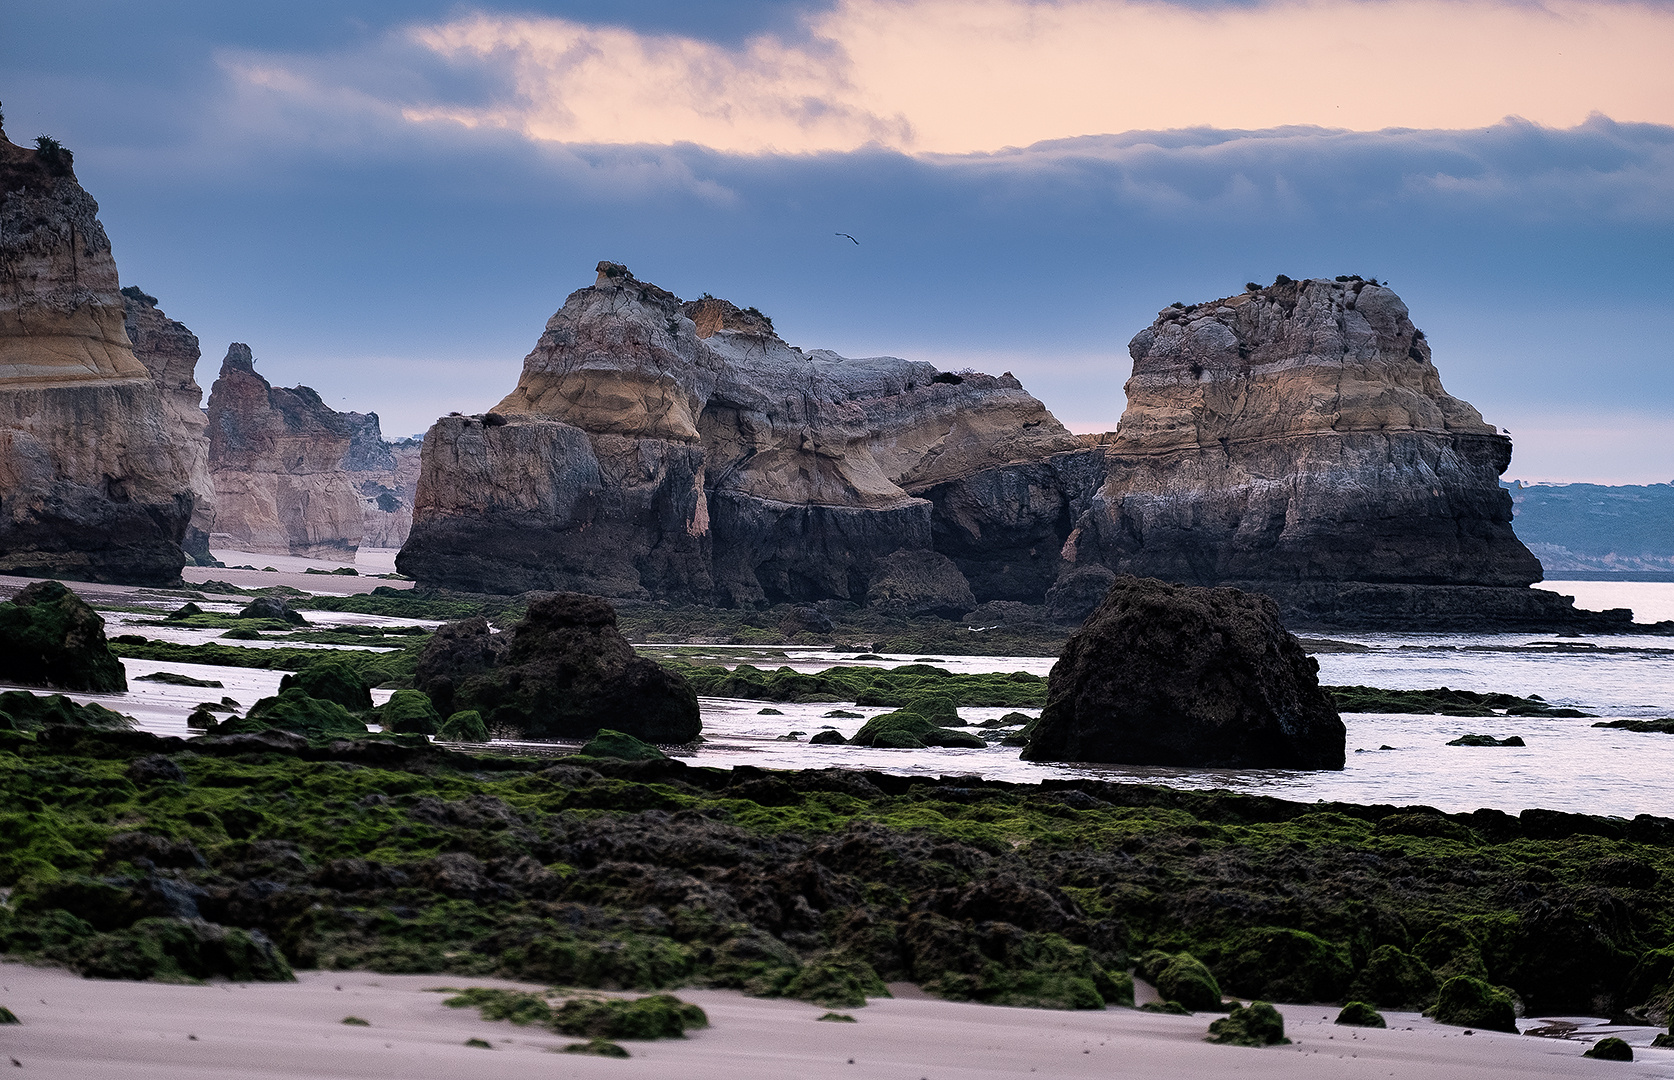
x=76, y=1028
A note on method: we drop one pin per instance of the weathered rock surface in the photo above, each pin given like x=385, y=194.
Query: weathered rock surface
x=277, y=457
x=655, y=447
x=1179, y=675
x=170, y=353
x=386, y=476
x=1296, y=440
x=95, y=474
x=563, y=672
x=50, y=637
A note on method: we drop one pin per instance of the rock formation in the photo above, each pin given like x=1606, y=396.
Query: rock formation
x=1296, y=440
x=563, y=672
x=277, y=458
x=1178, y=675
x=655, y=447
x=386, y=476
x=1293, y=440
x=95, y=474
x=50, y=637
x=170, y=353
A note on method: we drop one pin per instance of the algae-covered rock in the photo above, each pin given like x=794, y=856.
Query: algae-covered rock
x=22, y=711
x=1487, y=740
x=1610, y=1048
x=1186, y=980
x=828, y=737
x=50, y=637
x=939, y=709
x=1255, y=1024
x=1175, y=675
x=155, y=769
x=171, y=949
x=1360, y=1014
x=597, y=1048
x=332, y=680
x=409, y=712
x=464, y=726
x=492, y=1003
x=1394, y=979
x=614, y=744
x=1279, y=964
x=660, y=1016
x=1467, y=1002
x=295, y=710
x=905, y=730
x=836, y=980
x=271, y=607
x=563, y=672
x=7, y=1016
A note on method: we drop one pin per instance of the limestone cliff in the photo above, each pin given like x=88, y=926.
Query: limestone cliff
x=656, y=447
x=1296, y=440
x=95, y=473
x=170, y=353
x=386, y=476
x=277, y=459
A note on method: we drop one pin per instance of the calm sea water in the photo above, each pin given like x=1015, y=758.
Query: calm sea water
x=1567, y=764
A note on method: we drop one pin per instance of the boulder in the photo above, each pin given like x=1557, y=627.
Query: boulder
x=805, y=619
x=95, y=467
x=1256, y=1024
x=1360, y=1014
x=914, y=583
x=1468, y=1002
x=1609, y=1048
x=563, y=672
x=295, y=711
x=270, y=607
x=50, y=637
x=409, y=712
x=22, y=711
x=331, y=680
x=905, y=730
x=1177, y=675
x=1394, y=979
x=614, y=744
x=464, y=726
x=1184, y=979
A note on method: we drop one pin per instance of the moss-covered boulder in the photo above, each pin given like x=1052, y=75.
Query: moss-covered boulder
x=1360, y=1014
x=1467, y=1002
x=50, y=637
x=904, y=730
x=410, y=712
x=1450, y=950
x=172, y=949
x=1610, y=1048
x=1279, y=964
x=332, y=680
x=22, y=711
x=614, y=744
x=597, y=1048
x=7, y=1016
x=828, y=737
x=1395, y=979
x=295, y=710
x=939, y=709
x=1185, y=979
x=464, y=726
x=660, y=1016
x=836, y=980
x=271, y=607
x=1255, y=1024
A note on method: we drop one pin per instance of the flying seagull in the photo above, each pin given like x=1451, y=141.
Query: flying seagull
x=857, y=242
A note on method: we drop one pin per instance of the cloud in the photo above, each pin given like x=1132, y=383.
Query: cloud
x=962, y=76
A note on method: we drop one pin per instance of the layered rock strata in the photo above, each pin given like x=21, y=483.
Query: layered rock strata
x=170, y=353
x=655, y=447
x=277, y=460
x=1296, y=440
x=95, y=475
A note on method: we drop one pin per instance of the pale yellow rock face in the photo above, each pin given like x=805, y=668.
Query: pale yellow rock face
x=94, y=466
x=170, y=354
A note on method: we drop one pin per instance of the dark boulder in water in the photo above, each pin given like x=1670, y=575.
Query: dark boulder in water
x=50, y=637
x=270, y=607
x=1179, y=675
x=563, y=672
x=22, y=711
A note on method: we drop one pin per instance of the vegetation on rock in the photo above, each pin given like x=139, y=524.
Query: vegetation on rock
x=50, y=637
x=1610, y=1048
x=1360, y=1014
x=1255, y=1024
x=1470, y=1002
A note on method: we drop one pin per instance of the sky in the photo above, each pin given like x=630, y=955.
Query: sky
x=387, y=201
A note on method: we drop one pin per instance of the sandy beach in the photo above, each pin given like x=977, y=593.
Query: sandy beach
x=78, y=1028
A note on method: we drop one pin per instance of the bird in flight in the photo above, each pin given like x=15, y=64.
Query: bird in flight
x=857, y=242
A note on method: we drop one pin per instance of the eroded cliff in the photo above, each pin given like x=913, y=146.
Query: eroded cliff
x=277, y=458
x=95, y=470
x=658, y=447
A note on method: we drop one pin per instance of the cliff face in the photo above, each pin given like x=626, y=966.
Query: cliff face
x=95, y=474
x=683, y=449
x=386, y=477
x=1297, y=440
x=170, y=353
x=276, y=456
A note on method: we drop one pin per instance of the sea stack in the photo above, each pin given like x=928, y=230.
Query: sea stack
x=277, y=457
x=170, y=353
x=95, y=468
x=661, y=448
x=1296, y=440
